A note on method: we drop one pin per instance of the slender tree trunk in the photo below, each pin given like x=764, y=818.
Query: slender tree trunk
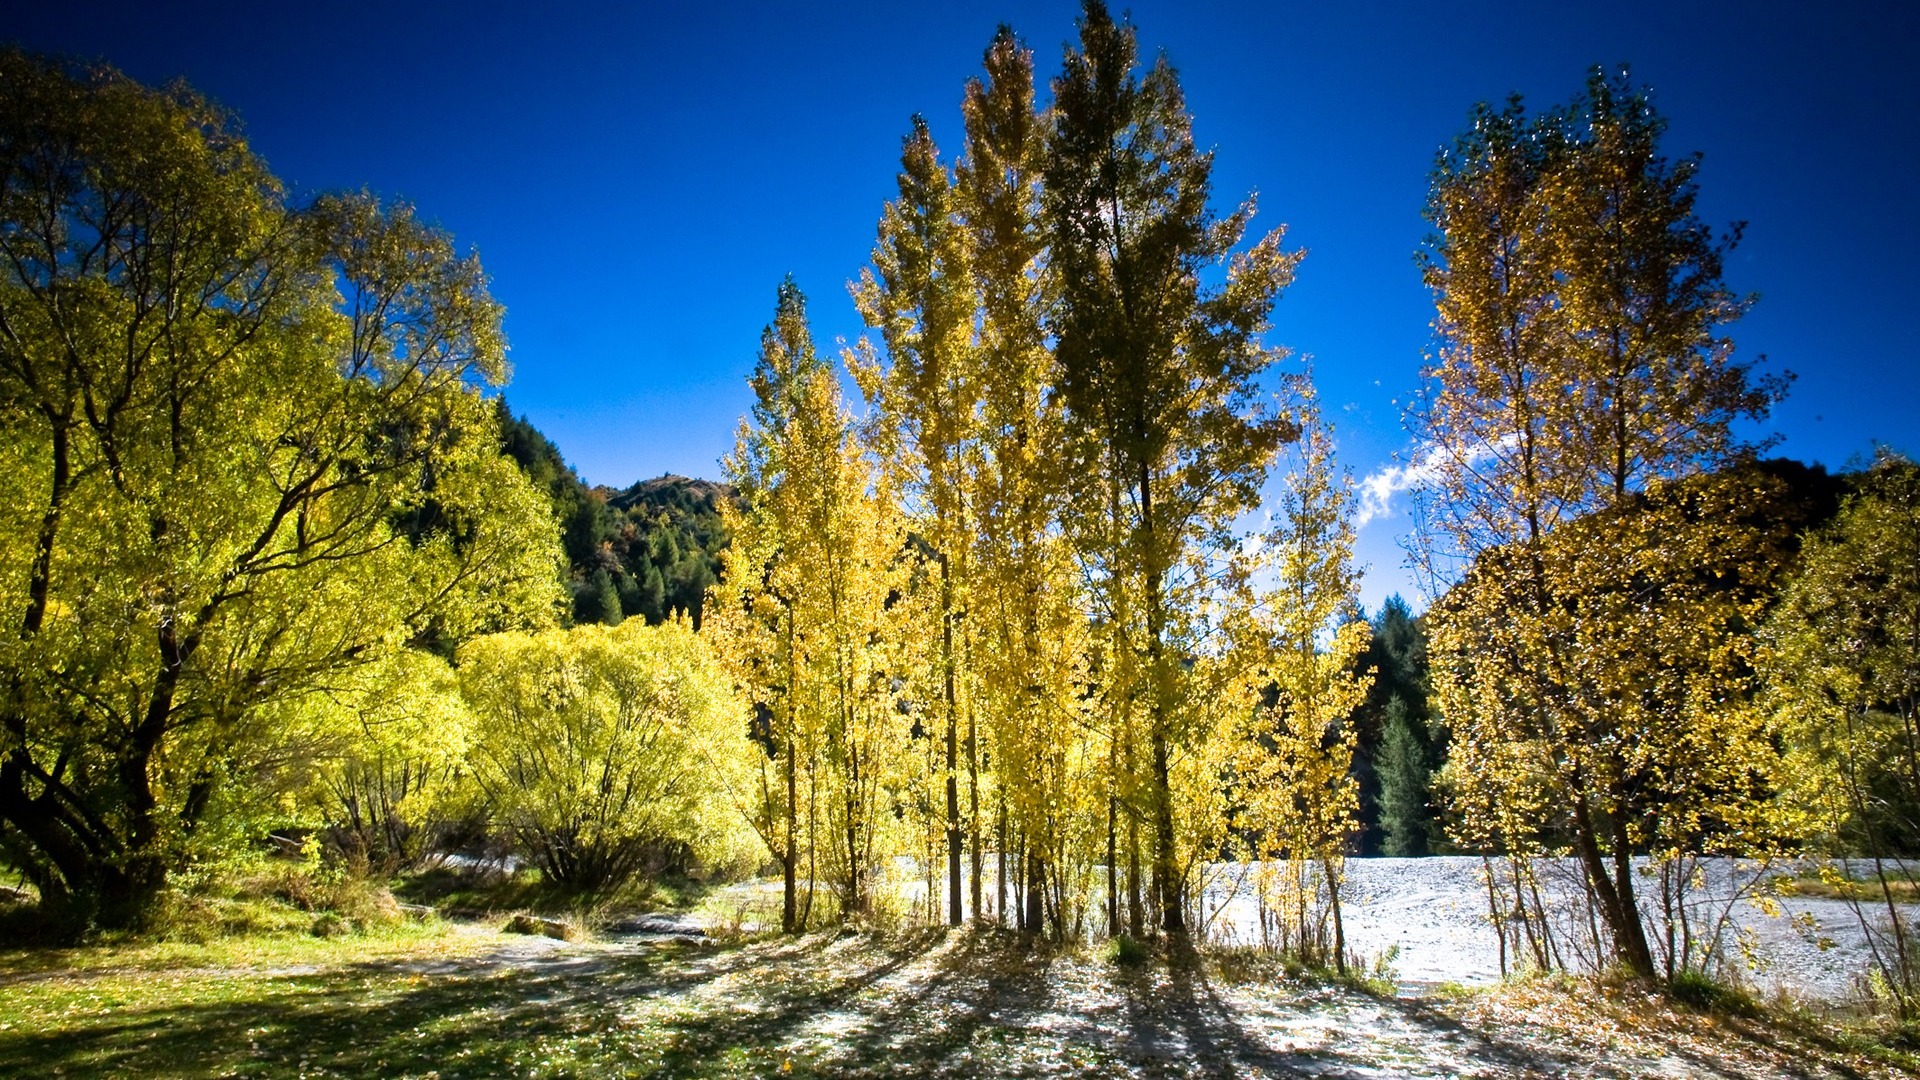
x=1339, y=927
x=1136, y=911
x=1166, y=888
x=1034, y=919
x=1000, y=857
x=790, y=865
x=789, y=861
x=954, y=838
x=1113, y=854
x=973, y=810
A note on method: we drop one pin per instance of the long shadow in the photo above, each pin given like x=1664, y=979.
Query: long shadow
x=1483, y=1048
x=978, y=992
x=369, y=1020
x=1222, y=1044
x=695, y=1042
x=1792, y=1051
x=1218, y=1044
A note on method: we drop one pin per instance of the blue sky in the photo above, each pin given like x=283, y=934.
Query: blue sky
x=638, y=178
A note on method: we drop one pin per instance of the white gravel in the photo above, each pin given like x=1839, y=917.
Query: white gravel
x=1434, y=912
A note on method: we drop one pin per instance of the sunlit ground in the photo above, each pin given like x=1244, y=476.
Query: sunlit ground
x=453, y=1001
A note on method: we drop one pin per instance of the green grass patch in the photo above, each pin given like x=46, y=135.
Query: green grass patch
x=1698, y=990
x=1829, y=886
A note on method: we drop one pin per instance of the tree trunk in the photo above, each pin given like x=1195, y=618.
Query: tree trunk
x=1113, y=871
x=1033, y=921
x=789, y=860
x=973, y=811
x=954, y=838
x=1615, y=893
x=1000, y=881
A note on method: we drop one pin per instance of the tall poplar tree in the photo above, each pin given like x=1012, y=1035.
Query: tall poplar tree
x=1297, y=791
x=1159, y=376
x=1032, y=624
x=919, y=294
x=807, y=620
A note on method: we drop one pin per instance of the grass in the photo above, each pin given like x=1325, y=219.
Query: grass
x=1813, y=884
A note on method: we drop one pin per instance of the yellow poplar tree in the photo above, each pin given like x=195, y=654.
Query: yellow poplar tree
x=1170, y=437
x=810, y=621
x=1842, y=658
x=919, y=294
x=1031, y=625
x=1298, y=798
x=1579, y=361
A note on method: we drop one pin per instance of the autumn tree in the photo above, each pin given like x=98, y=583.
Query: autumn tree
x=809, y=620
x=606, y=751
x=1843, y=664
x=920, y=295
x=1159, y=374
x=1580, y=362
x=390, y=741
x=1031, y=626
x=1295, y=786
x=243, y=452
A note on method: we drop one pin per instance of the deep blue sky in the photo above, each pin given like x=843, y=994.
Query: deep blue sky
x=637, y=179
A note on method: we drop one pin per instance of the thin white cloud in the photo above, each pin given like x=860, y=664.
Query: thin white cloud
x=1381, y=485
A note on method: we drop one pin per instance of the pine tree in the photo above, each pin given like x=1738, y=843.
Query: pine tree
x=1404, y=770
x=598, y=601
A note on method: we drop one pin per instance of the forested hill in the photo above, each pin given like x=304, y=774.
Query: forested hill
x=650, y=550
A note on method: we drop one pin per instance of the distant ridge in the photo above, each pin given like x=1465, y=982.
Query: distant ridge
x=668, y=487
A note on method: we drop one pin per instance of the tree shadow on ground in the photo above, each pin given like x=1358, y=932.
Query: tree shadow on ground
x=1796, y=1046
x=974, y=1003
x=484, y=1020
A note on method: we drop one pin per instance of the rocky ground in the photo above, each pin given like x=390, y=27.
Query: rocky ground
x=1433, y=913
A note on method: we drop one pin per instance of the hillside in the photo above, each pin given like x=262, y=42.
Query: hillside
x=649, y=550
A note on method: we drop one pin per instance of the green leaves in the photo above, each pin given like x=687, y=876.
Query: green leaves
x=251, y=458
x=601, y=748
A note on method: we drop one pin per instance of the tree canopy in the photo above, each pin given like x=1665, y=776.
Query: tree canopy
x=245, y=452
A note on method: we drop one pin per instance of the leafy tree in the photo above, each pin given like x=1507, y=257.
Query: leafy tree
x=920, y=296
x=1159, y=376
x=1644, y=740
x=391, y=742
x=809, y=619
x=1030, y=625
x=1843, y=662
x=1298, y=796
x=606, y=749
x=243, y=453
x=1579, y=362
